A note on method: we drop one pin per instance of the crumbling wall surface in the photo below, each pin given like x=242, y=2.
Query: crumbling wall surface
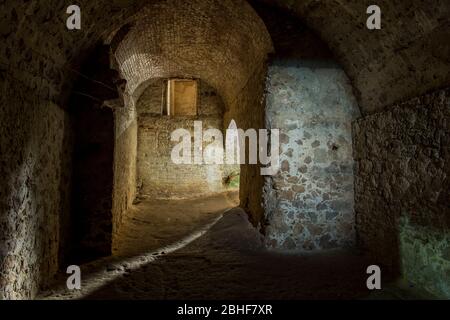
x=37, y=70
x=35, y=145
x=309, y=203
x=402, y=189
x=158, y=175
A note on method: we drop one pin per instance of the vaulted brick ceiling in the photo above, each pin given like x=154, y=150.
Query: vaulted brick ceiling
x=221, y=42
x=410, y=55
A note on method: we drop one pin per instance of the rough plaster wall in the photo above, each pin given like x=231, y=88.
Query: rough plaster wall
x=158, y=176
x=247, y=110
x=309, y=203
x=34, y=193
x=402, y=189
x=125, y=153
x=37, y=58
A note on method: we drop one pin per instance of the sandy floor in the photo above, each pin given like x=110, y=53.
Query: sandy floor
x=192, y=249
x=153, y=224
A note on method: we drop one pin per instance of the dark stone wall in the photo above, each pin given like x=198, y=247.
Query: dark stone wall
x=35, y=166
x=93, y=157
x=409, y=56
x=292, y=39
x=402, y=189
x=91, y=223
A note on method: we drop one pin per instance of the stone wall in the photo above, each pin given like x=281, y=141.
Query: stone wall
x=247, y=110
x=125, y=154
x=309, y=203
x=157, y=175
x=34, y=193
x=402, y=189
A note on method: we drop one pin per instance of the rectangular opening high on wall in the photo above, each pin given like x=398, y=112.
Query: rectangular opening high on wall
x=181, y=97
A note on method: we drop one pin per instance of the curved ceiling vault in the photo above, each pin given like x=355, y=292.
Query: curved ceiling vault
x=220, y=41
x=406, y=58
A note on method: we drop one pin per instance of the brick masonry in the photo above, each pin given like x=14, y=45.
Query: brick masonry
x=157, y=175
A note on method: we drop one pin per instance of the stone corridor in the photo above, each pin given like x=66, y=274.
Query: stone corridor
x=241, y=149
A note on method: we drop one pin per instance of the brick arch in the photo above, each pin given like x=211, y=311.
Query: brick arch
x=221, y=42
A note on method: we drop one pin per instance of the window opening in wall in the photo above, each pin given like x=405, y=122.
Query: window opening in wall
x=181, y=97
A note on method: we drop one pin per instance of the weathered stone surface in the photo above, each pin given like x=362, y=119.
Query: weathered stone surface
x=315, y=105
x=34, y=194
x=402, y=187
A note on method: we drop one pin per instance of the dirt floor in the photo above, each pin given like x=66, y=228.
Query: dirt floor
x=153, y=224
x=206, y=249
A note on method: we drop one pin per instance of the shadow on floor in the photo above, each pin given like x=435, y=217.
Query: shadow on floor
x=229, y=262
x=224, y=258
